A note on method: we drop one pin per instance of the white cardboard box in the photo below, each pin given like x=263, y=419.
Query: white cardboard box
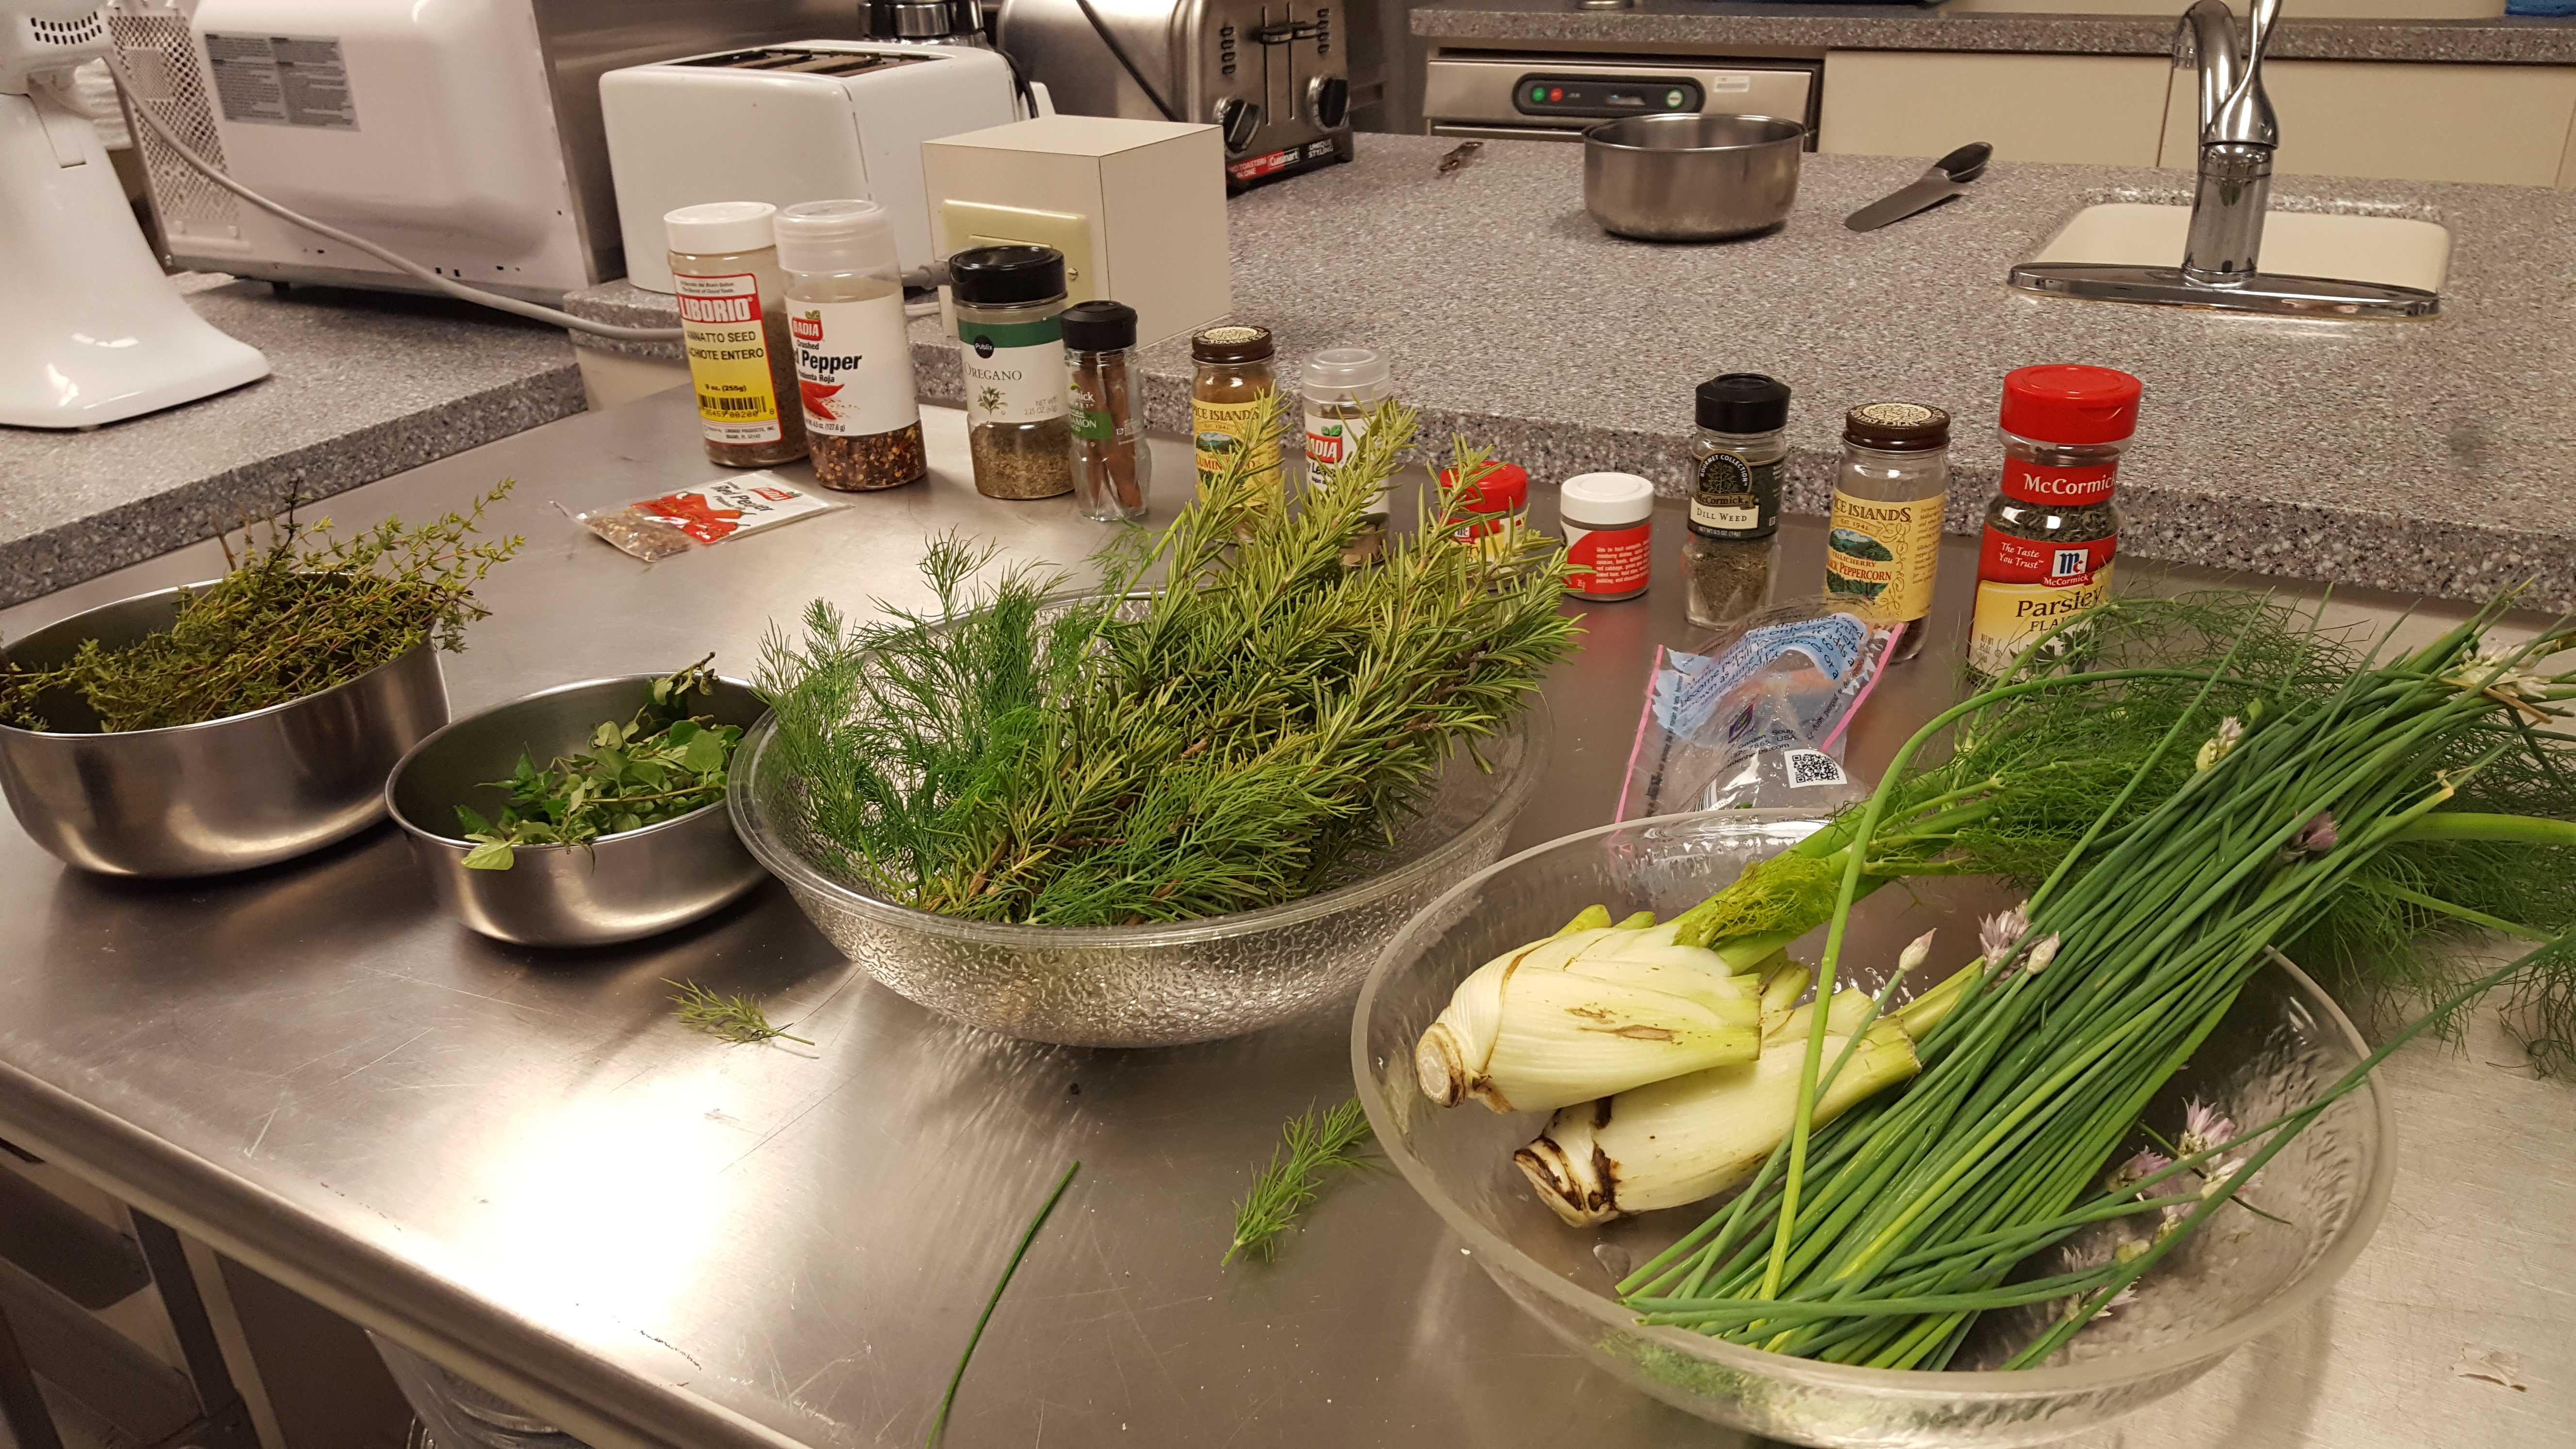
x=1137, y=208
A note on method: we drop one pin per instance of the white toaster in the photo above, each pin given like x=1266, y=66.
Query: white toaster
x=806, y=121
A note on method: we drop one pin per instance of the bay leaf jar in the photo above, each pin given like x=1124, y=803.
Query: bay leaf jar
x=1009, y=303
x=1228, y=395
x=733, y=325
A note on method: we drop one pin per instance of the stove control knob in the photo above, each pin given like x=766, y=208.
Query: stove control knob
x=1328, y=101
x=1238, y=119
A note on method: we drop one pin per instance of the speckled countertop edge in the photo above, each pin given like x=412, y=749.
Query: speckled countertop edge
x=2505, y=40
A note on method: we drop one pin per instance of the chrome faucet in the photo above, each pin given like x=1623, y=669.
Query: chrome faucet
x=2238, y=134
x=2222, y=251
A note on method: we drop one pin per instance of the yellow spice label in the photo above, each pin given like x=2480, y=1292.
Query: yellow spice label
x=1223, y=430
x=1883, y=556
x=722, y=329
x=2010, y=616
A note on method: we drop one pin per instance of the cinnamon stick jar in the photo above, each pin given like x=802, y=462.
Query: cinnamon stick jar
x=1110, y=461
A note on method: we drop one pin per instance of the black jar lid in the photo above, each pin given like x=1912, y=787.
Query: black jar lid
x=1000, y=276
x=1897, y=427
x=1099, y=326
x=1232, y=342
x=1743, y=402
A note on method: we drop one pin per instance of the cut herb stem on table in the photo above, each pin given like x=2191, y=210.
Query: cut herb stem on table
x=2188, y=788
x=948, y=1400
x=739, y=1019
x=662, y=764
x=1312, y=1146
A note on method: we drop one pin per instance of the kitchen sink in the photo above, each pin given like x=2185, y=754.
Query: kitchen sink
x=2392, y=251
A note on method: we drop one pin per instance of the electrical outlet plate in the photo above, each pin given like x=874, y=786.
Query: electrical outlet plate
x=981, y=224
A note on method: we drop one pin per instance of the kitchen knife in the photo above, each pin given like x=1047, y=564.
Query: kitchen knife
x=1948, y=177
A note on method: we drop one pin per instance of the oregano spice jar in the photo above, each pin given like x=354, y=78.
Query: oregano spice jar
x=1010, y=300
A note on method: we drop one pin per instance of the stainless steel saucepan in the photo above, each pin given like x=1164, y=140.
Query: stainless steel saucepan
x=1691, y=177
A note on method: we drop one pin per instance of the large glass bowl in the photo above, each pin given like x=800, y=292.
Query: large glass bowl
x=2239, y=1276
x=1158, y=985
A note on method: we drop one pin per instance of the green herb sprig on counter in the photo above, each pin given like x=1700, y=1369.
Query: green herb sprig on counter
x=1256, y=720
x=1310, y=1146
x=739, y=1019
x=658, y=766
x=298, y=611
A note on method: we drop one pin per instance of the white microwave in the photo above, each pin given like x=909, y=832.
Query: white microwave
x=1544, y=97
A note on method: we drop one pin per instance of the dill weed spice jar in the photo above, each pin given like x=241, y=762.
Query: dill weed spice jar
x=733, y=325
x=2053, y=527
x=1227, y=397
x=1883, y=538
x=1009, y=300
x=853, y=356
x=1735, y=495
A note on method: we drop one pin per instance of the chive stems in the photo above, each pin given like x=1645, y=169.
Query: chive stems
x=948, y=1400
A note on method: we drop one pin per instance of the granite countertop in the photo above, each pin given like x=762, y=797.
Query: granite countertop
x=1742, y=26
x=2412, y=456
x=361, y=386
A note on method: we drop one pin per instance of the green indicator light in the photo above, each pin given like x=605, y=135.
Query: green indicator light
x=1673, y=99
x=1538, y=94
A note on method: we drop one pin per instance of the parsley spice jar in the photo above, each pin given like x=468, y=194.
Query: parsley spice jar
x=2053, y=528
x=1009, y=301
x=733, y=325
x=1883, y=538
x=853, y=357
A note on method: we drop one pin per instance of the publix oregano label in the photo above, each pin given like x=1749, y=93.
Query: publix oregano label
x=1014, y=371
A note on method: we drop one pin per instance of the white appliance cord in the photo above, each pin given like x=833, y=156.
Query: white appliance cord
x=396, y=260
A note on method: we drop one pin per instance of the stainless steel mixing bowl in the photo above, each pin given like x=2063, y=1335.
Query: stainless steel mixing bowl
x=202, y=799
x=618, y=888
x=1691, y=178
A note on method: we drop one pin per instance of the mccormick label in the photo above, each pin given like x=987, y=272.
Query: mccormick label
x=1882, y=556
x=2026, y=587
x=1609, y=563
x=2063, y=487
x=720, y=325
x=1735, y=499
x=853, y=366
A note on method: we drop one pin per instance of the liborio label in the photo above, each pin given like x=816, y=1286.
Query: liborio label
x=720, y=326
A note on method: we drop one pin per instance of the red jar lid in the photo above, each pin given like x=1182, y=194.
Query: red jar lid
x=2068, y=403
x=1501, y=490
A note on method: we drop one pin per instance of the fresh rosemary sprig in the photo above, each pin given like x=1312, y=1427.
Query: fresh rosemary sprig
x=739, y=1019
x=297, y=612
x=949, y=1399
x=1238, y=737
x=1310, y=1146
x=658, y=766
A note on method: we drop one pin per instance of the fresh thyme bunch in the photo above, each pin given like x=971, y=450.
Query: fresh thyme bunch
x=1232, y=739
x=297, y=612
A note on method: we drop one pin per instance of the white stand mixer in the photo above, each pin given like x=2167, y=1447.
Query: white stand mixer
x=93, y=332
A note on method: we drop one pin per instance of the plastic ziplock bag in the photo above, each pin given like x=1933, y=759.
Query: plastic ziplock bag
x=703, y=516
x=1756, y=718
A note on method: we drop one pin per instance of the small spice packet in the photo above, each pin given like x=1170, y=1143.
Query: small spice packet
x=703, y=516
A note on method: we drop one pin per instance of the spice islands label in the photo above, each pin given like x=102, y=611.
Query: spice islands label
x=720, y=327
x=2026, y=587
x=1218, y=431
x=1882, y=556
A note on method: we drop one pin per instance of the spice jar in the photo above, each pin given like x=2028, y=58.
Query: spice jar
x=1009, y=302
x=1735, y=495
x=1490, y=513
x=1609, y=523
x=2053, y=528
x=1342, y=386
x=853, y=355
x=1883, y=538
x=1228, y=397
x=733, y=324
x=1111, y=463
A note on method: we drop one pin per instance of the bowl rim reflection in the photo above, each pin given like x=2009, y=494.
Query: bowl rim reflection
x=1982, y=1384
x=1531, y=727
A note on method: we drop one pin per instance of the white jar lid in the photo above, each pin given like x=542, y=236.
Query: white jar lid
x=1348, y=369
x=1611, y=499
x=835, y=236
x=717, y=228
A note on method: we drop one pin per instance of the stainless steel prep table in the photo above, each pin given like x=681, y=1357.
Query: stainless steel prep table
x=516, y=1162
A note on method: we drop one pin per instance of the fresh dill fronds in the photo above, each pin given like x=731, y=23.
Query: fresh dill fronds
x=1310, y=1145
x=735, y=1018
x=948, y=1400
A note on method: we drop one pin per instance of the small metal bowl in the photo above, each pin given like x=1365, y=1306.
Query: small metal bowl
x=1691, y=177
x=203, y=799
x=619, y=887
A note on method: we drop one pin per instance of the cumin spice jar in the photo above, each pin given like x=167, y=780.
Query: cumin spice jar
x=1009, y=304
x=853, y=355
x=1229, y=394
x=2054, y=526
x=1883, y=538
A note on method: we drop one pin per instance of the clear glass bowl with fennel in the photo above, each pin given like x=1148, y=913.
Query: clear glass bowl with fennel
x=2006, y=1178
x=1184, y=803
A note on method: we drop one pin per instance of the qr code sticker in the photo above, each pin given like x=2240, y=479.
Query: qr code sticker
x=1813, y=767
